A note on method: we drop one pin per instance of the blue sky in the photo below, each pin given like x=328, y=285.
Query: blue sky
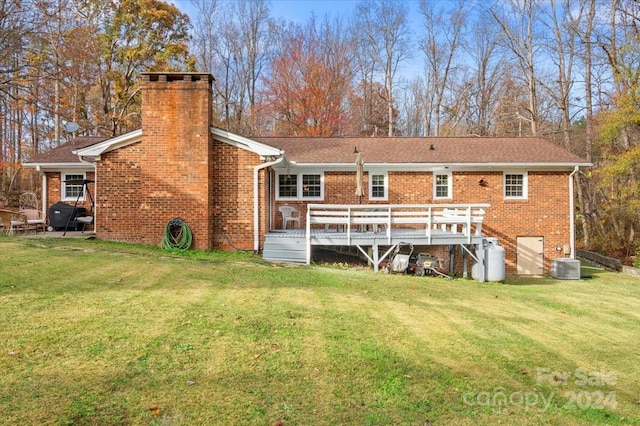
x=299, y=11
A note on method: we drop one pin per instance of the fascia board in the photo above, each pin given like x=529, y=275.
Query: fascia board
x=430, y=167
x=242, y=142
x=55, y=167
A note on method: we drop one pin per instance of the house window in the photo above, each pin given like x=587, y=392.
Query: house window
x=442, y=184
x=288, y=186
x=515, y=185
x=71, y=191
x=308, y=186
x=378, y=186
x=311, y=186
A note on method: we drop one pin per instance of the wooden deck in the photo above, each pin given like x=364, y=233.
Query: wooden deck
x=374, y=227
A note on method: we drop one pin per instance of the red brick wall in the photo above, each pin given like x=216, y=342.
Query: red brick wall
x=143, y=186
x=233, y=197
x=544, y=213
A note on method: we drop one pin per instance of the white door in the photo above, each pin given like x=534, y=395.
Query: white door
x=530, y=252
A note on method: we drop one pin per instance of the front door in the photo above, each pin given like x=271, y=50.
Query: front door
x=530, y=252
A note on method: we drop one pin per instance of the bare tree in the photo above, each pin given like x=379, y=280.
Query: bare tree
x=516, y=20
x=383, y=33
x=488, y=70
x=443, y=39
x=232, y=41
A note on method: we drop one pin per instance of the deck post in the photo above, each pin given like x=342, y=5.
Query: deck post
x=465, y=273
x=308, y=236
x=375, y=257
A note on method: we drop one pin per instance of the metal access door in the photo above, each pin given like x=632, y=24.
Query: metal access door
x=530, y=251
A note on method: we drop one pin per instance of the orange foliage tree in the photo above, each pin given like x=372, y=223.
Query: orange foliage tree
x=306, y=95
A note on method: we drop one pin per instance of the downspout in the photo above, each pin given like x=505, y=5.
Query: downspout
x=572, y=213
x=256, y=201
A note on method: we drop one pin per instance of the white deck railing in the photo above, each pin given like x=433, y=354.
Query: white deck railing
x=455, y=218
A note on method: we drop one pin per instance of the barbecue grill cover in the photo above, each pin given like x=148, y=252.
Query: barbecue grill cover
x=62, y=213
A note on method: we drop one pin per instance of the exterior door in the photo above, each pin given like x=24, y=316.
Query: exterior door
x=530, y=255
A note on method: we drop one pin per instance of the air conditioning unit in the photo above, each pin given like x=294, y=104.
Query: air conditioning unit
x=565, y=269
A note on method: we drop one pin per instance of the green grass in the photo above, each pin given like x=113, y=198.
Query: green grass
x=96, y=333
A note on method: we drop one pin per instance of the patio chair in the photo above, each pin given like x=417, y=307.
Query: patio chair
x=289, y=214
x=33, y=217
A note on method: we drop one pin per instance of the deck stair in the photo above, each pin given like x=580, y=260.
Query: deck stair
x=285, y=247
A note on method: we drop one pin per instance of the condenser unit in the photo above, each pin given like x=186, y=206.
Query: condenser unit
x=565, y=269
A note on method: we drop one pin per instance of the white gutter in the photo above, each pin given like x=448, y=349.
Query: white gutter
x=572, y=213
x=256, y=201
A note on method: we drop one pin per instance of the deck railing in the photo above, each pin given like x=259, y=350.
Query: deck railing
x=384, y=218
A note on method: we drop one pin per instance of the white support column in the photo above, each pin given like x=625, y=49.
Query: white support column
x=308, y=236
x=376, y=262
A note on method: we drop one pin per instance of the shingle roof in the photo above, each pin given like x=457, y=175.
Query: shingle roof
x=64, y=153
x=471, y=150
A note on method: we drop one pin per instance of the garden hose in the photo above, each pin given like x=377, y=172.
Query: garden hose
x=177, y=235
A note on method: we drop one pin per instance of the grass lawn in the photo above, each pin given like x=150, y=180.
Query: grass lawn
x=96, y=333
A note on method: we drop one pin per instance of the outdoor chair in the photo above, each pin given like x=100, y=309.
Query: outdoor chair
x=289, y=214
x=12, y=221
x=33, y=216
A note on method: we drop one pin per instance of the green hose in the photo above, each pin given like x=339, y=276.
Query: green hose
x=177, y=235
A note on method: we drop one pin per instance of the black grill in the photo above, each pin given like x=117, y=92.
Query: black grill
x=62, y=213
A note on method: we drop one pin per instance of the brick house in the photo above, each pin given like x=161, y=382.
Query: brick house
x=228, y=188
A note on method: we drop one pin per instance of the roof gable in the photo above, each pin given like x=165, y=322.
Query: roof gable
x=64, y=154
x=110, y=144
x=253, y=145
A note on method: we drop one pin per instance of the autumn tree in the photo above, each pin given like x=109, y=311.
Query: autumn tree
x=618, y=175
x=307, y=90
x=139, y=35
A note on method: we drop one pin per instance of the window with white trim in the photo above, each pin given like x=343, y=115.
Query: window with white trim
x=378, y=186
x=311, y=186
x=288, y=186
x=442, y=185
x=71, y=191
x=300, y=186
x=515, y=186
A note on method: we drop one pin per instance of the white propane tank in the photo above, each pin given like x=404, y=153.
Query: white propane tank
x=494, y=260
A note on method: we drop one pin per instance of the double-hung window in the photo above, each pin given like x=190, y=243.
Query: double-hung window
x=442, y=185
x=378, y=186
x=71, y=191
x=300, y=186
x=515, y=186
x=311, y=186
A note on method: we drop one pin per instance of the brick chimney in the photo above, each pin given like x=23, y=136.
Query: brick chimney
x=175, y=155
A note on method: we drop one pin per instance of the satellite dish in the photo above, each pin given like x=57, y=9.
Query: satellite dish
x=71, y=127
